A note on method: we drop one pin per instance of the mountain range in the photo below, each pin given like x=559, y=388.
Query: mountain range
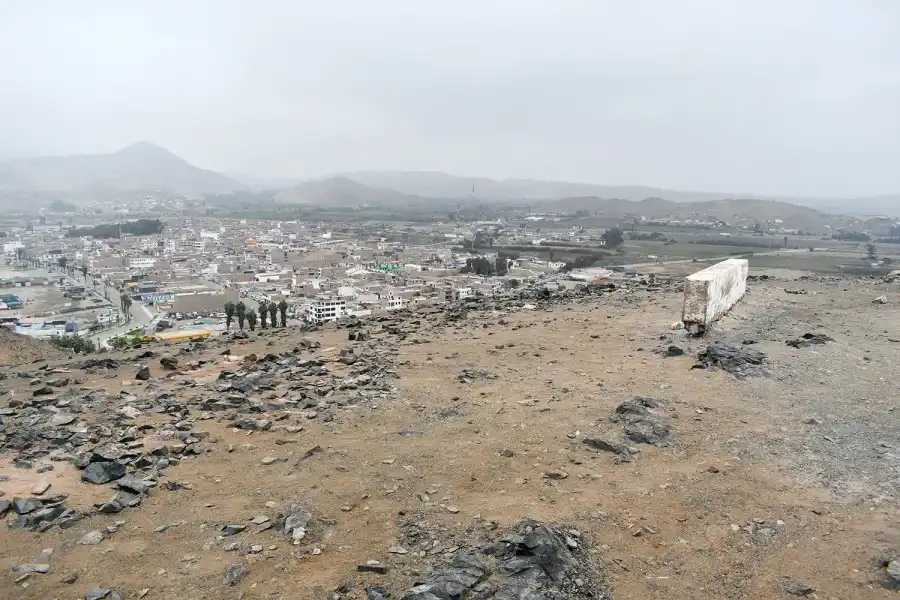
x=141, y=167
x=145, y=167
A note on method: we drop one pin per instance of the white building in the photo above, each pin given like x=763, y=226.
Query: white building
x=323, y=310
x=141, y=262
x=459, y=293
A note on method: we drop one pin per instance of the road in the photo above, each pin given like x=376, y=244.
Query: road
x=140, y=314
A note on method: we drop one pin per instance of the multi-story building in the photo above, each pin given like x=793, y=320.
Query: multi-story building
x=323, y=310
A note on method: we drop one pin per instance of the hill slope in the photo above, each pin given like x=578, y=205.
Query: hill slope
x=341, y=191
x=136, y=168
x=442, y=185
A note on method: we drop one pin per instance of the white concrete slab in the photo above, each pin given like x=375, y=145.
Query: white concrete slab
x=710, y=293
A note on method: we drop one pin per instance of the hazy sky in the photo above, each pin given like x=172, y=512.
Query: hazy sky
x=769, y=96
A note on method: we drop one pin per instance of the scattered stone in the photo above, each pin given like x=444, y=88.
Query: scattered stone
x=295, y=522
x=143, y=373
x=798, y=589
x=91, y=538
x=169, y=363
x=643, y=425
x=377, y=593
x=32, y=568
x=893, y=569
x=533, y=562
x=235, y=574
x=739, y=361
x=880, y=300
x=103, y=472
x=809, y=339
x=101, y=593
x=133, y=484
x=268, y=460
x=230, y=529
x=372, y=567
x=24, y=506
x=673, y=351
x=604, y=446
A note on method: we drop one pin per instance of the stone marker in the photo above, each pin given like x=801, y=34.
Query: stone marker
x=712, y=292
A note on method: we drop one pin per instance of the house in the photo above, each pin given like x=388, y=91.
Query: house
x=323, y=310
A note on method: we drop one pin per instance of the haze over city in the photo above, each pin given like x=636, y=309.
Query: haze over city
x=791, y=99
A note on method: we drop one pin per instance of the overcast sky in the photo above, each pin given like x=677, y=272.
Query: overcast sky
x=770, y=96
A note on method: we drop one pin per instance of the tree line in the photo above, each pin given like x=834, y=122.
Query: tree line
x=114, y=230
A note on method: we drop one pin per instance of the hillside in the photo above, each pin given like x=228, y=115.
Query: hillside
x=443, y=185
x=795, y=216
x=136, y=168
x=341, y=191
x=359, y=459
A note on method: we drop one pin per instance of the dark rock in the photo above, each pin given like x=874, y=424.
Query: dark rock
x=101, y=594
x=101, y=363
x=143, y=373
x=169, y=363
x=642, y=424
x=24, y=506
x=44, y=390
x=377, y=593
x=534, y=564
x=4, y=507
x=893, y=569
x=809, y=339
x=230, y=529
x=134, y=484
x=378, y=568
x=737, y=360
x=235, y=574
x=798, y=589
x=673, y=351
x=103, y=472
x=119, y=502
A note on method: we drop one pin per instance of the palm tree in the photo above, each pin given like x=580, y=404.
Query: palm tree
x=240, y=310
x=229, y=314
x=84, y=272
x=273, y=314
x=282, y=308
x=251, y=320
x=263, y=314
x=62, y=262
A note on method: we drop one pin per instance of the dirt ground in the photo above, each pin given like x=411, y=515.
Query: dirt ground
x=791, y=476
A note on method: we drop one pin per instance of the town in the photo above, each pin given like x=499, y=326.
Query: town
x=121, y=278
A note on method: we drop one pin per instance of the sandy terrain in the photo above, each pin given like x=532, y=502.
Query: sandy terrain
x=765, y=482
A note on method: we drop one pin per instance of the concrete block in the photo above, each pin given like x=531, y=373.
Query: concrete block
x=710, y=293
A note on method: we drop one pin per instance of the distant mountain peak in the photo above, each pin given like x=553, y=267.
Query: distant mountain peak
x=139, y=167
x=147, y=150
